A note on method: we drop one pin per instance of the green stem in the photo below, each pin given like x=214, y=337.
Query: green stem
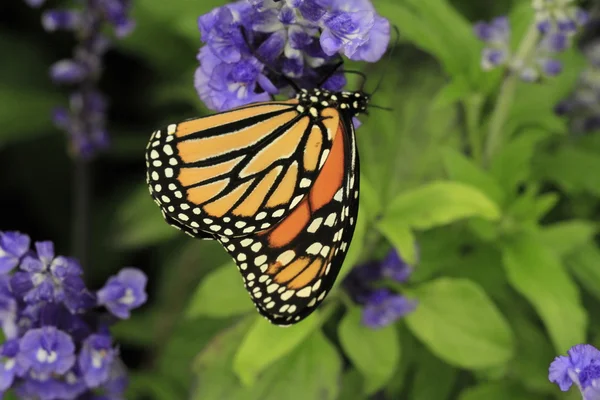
x=472, y=107
x=507, y=94
x=81, y=211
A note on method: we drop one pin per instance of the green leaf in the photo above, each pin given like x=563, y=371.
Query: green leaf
x=369, y=198
x=511, y=166
x=401, y=237
x=455, y=91
x=530, y=206
x=474, y=335
x=438, y=28
x=147, y=385
x=412, y=350
x=21, y=122
x=311, y=371
x=373, y=352
x=352, y=386
x=497, y=391
x=265, y=343
x=462, y=169
x=138, y=330
x=220, y=294
x=456, y=32
x=535, y=272
x=139, y=222
x=445, y=378
x=530, y=365
x=440, y=203
x=584, y=265
x=570, y=168
x=567, y=236
x=414, y=28
x=214, y=379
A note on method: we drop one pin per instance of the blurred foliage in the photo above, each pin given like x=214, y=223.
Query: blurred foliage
x=507, y=265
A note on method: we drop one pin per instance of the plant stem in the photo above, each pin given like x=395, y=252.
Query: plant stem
x=472, y=107
x=81, y=210
x=507, y=94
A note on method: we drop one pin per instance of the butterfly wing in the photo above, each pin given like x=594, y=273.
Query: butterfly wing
x=289, y=268
x=238, y=172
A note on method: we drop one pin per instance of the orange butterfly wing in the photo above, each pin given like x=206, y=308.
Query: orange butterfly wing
x=289, y=268
x=237, y=172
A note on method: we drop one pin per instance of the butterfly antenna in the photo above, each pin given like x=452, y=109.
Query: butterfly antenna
x=361, y=74
x=391, y=52
x=381, y=107
x=337, y=67
x=267, y=66
x=331, y=73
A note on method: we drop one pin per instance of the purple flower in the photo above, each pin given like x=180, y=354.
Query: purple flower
x=581, y=366
x=220, y=29
x=84, y=121
x=67, y=387
x=582, y=105
x=496, y=35
x=8, y=310
x=96, y=359
x=124, y=292
x=377, y=43
x=50, y=279
x=346, y=31
x=58, y=345
x=224, y=86
x=35, y=3
x=381, y=306
x=556, y=37
x=495, y=32
x=394, y=267
x=561, y=16
x=358, y=283
x=117, y=381
x=360, y=280
x=46, y=350
x=54, y=20
x=68, y=71
x=13, y=246
x=301, y=39
x=385, y=307
x=8, y=362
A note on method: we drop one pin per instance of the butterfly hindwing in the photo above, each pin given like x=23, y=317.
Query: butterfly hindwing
x=289, y=269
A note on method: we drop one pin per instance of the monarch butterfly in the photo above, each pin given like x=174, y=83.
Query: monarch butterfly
x=276, y=183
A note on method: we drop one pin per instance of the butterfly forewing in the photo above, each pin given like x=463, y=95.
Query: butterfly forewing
x=289, y=269
x=239, y=172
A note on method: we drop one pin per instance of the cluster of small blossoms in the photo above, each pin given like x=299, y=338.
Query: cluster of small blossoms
x=381, y=306
x=57, y=343
x=582, y=106
x=581, y=367
x=252, y=46
x=557, y=21
x=84, y=120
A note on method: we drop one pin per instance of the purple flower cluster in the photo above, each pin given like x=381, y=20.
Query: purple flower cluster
x=84, y=120
x=381, y=306
x=581, y=367
x=582, y=106
x=556, y=20
x=57, y=343
x=247, y=41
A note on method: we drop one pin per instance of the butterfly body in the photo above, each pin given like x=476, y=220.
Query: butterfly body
x=275, y=183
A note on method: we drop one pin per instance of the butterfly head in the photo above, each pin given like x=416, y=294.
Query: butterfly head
x=352, y=103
